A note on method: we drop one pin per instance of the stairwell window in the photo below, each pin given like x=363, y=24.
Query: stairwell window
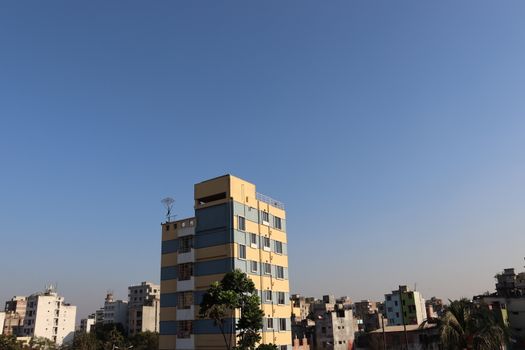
x=253, y=266
x=269, y=323
x=280, y=272
x=277, y=223
x=241, y=223
x=268, y=295
x=266, y=243
x=265, y=217
x=253, y=239
x=267, y=268
x=278, y=247
x=282, y=324
x=242, y=251
x=280, y=298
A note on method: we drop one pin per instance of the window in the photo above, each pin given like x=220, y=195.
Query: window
x=167, y=227
x=268, y=295
x=284, y=347
x=282, y=324
x=183, y=329
x=253, y=266
x=185, y=244
x=242, y=251
x=269, y=323
x=280, y=298
x=265, y=216
x=184, y=300
x=266, y=243
x=278, y=247
x=253, y=239
x=241, y=223
x=185, y=271
x=388, y=298
x=267, y=268
x=280, y=272
x=395, y=303
x=389, y=309
x=277, y=223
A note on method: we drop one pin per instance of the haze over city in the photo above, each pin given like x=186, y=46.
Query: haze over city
x=392, y=131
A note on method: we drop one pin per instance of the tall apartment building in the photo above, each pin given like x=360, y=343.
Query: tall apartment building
x=143, y=308
x=405, y=306
x=234, y=228
x=49, y=317
x=15, y=312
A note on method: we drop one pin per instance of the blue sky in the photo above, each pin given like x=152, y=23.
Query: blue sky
x=393, y=131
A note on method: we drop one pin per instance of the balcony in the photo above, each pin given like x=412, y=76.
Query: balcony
x=266, y=199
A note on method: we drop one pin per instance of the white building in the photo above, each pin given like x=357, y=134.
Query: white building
x=49, y=317
x=86, y=324
x=144, y=308
x=115, y=311
x=405, y=306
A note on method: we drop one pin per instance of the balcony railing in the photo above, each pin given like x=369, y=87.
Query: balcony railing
x=269, y=200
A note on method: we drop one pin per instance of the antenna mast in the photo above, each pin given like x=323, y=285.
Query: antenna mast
x=168, y=204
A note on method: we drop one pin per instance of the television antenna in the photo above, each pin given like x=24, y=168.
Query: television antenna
x=168, y=204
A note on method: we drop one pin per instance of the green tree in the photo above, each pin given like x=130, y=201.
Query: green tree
x=85, y=341
x=267, y=347
x=466, y=325
x=145, y=341
x=234, y=291
x=8, y=342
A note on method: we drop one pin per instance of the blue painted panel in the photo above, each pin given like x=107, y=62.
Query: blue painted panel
x=211, y=218
x=168, y=300
x=213, y=267
x=208, y=326
x=170, y=246
x=168, y=327
x=168, y=273
x=211, y=238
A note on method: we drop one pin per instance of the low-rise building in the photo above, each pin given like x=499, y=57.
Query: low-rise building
x=404, y=306
x=334, y=329
x=87, y=324
x=143, y=308
x=397, y=337
x=15, y=311
x=115, y=311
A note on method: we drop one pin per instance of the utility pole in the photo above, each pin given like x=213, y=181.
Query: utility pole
x=403, y=318
x=384, y=334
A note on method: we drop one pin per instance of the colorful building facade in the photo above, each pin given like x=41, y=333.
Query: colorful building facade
x=234, y=228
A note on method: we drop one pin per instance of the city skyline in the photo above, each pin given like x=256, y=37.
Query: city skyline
x=392, y=133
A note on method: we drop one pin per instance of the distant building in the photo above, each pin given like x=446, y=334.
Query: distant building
x=48, y=316
x=2, y=319
x=417, y=337
x=87, y=324
x=405, y=306
x=15, y=312
x=115, y=311
x=334, y=329
x=143, y=308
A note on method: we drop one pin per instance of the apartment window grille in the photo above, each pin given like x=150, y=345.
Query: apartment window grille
x=241, y=223
x=266, y=242
x=280, y=272
x=277, y=223
x=269, y=323
x=184, y=329
x=242, y=251
x=282, y=324
x=278, y=247
x=280, y=298
x=185, y=271
x=253, y=266
x=185, y=300
x=185, y=244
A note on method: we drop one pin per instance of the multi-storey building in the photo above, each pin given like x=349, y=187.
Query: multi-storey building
x=115, y=311
x=143, y=308
x=404, y=306
x=15, y=311
x=87, y=324
x=234, y=228
x=49, y=317
x=334, y=329
x=2, y=319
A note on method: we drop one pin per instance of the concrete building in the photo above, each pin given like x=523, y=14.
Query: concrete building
x=87, y=324
x=115, y=311
x=405, y=306
x=417, y=337
x=334, y=329
x=234, y=228
x=2, y=319
x=15, y=311
x=48, y=316
x=143, y=308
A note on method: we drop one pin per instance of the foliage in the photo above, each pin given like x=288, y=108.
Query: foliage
x=145, y=341
x=39, y=343
x=466, y=325
x=267, y=347
x=234, y=291
x=85, y=341
x=8, y=342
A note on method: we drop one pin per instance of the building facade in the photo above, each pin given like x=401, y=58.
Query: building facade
x=115, y=311
x=405, y=306
x=143, y=308
x=234, y=228
x=87, y=324
x=48, y=316
x=15, y=312
x=334, y=329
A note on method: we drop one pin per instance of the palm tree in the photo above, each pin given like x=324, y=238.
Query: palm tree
x=466, y=325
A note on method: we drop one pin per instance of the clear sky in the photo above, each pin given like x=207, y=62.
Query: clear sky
x=394, y=132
